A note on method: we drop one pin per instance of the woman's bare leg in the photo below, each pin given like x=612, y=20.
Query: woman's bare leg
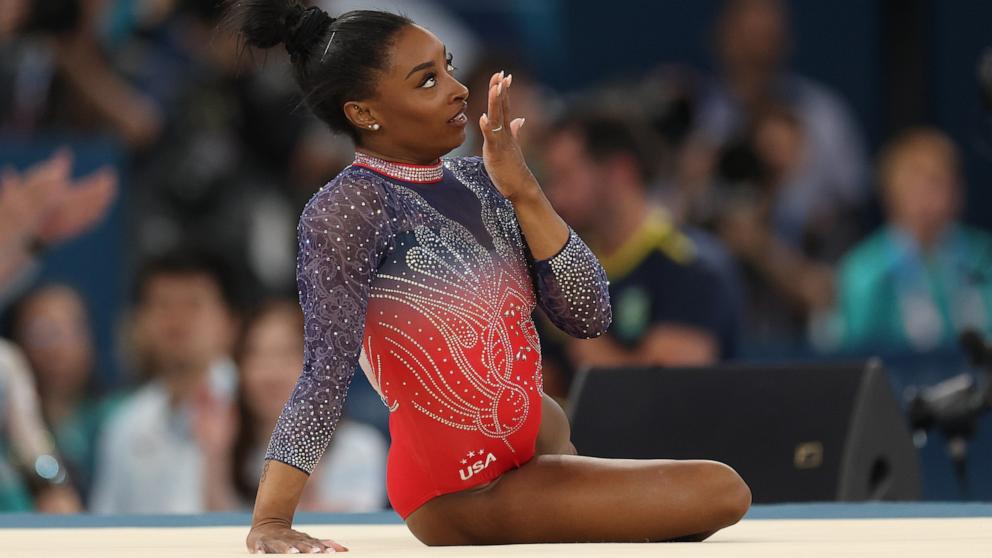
x=568, y=498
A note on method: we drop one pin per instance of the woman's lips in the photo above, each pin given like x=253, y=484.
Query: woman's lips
x=459, y=119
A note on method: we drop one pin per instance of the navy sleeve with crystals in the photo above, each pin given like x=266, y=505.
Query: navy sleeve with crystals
x=572, y=289
x=343, y=235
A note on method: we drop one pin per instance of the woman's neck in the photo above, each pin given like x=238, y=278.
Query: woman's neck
x=408, y=159
x=406, y=172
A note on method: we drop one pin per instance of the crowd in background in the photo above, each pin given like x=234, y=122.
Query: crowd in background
x=732, y=212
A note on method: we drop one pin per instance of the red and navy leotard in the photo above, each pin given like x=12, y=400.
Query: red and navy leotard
x=421, y=276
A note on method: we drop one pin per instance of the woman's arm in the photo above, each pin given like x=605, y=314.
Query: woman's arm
x=546, y=232
x=571, y=285
x=343, y=235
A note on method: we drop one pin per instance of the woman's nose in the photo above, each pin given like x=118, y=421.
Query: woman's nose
x=461, y=92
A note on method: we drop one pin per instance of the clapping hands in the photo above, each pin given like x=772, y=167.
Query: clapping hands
x=44, y=205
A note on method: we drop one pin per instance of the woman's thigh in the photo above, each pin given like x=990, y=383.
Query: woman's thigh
x=567, y=498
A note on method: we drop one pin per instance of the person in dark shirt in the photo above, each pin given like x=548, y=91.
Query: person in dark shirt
x=672, y=303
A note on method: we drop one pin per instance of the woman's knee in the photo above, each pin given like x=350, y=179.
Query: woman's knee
x=441, y=522
x=729, y=494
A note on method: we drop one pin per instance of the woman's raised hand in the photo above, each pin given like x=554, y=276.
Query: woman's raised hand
x=501, y=151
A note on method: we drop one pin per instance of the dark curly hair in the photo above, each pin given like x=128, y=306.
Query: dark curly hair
x=335, y=60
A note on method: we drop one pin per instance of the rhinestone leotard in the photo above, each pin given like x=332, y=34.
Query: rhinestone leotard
x=421, y=276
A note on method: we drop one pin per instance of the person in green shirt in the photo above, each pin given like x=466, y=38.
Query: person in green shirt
x=923, y=277
x=51, y=325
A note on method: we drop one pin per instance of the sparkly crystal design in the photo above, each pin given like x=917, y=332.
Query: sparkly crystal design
x=468, y=313
x=429, y=290
x=418, y=174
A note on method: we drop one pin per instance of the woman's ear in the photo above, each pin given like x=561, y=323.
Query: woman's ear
x=360, y=115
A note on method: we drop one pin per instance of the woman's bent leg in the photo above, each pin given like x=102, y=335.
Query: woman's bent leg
x=566, y=498
x=555, y=435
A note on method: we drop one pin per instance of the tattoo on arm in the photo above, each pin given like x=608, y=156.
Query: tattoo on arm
x=265, y=470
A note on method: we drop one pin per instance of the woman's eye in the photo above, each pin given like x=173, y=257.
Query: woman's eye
x=431, y=79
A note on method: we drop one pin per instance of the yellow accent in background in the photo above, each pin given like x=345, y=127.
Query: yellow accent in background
x=657, y=232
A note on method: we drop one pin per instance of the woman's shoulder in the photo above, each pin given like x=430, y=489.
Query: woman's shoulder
x=354, y=189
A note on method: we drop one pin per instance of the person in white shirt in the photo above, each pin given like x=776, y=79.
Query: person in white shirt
x=167, y=449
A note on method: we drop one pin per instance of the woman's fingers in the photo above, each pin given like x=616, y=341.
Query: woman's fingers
x=497, y=115
x=296, y=545
x=515, y=127
x=271, y=546
x=334, y=545
x=504, y=98
x=498, y=111
x=317, y=546
x=495, y=109
x=312, y=548
x=495, y=79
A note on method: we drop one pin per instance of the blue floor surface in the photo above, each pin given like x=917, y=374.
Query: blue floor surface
x=778, y=511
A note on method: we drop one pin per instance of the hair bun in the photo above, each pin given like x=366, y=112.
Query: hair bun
x=306, y=30
x=267, y=23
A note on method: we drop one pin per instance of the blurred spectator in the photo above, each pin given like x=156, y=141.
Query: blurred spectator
x=924, y=277
x=231, y=167
x=54, y=73
x=787, y=144
x=785, y=284
x=39, y=207
x=670, y=306
x=43, y=206
x=351, y=475
x=51, y=326
x=167, y=449
x=752, y=46
x=31, y=474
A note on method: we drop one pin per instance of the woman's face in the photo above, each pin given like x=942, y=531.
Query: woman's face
x=923, y=193
x=419, y=105
x=54, y=332
x=271, y=362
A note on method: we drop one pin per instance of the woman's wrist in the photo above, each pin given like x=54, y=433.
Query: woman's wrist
x=527, y=194
x=265, y=522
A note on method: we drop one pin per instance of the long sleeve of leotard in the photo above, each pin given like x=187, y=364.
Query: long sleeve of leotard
x=572, y=289
x=343, y=235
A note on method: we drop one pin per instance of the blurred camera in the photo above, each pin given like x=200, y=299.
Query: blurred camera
x=955, y=405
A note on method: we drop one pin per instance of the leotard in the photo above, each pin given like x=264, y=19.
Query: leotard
x=420, y=276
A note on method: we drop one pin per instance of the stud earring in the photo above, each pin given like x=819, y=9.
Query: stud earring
x=374, y=127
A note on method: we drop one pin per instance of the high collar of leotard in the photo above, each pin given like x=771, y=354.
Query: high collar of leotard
x=418, y=174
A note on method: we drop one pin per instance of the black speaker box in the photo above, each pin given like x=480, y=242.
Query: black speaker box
x=795, y=433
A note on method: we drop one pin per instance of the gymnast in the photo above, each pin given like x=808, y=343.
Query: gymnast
x=424, y=273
